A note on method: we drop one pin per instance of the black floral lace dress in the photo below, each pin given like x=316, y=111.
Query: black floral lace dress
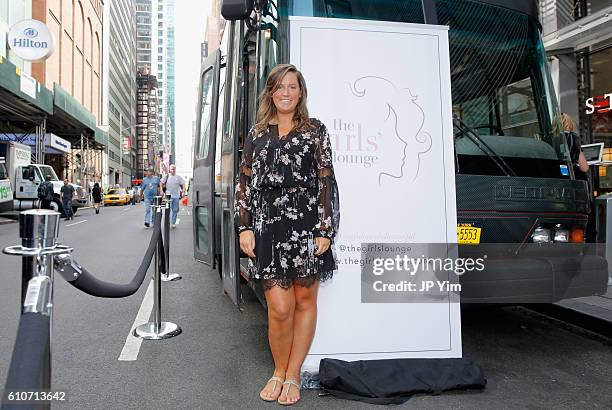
x=287, y=194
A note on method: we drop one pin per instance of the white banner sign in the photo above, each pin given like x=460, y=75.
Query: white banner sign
x=27, y=85
x=383, y=90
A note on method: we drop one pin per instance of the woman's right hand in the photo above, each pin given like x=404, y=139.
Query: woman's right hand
x=247, y=243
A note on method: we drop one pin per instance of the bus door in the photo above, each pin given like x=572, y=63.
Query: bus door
x=203, y=190
x=229, y=131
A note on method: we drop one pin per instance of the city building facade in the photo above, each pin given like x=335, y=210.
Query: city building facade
x=119, y=96
x=170, y=56
x=577, y=36
x=214, y=27
x=155, y=43
x=146, y=129
x=74, y=73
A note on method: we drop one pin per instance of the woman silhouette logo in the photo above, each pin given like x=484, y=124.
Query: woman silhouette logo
x=395, y=110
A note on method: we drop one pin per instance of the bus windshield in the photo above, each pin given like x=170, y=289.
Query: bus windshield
x=501, y=89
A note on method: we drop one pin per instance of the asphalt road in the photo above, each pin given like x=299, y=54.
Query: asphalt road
x=221, y=359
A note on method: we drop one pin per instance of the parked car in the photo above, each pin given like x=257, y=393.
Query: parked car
x=117, y=196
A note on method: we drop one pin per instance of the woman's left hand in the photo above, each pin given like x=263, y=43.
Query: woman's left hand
x=322, y=245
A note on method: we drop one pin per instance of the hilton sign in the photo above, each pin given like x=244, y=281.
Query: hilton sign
x=31, y=40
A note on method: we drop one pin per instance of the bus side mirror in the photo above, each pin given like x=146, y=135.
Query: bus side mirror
x=236, y=9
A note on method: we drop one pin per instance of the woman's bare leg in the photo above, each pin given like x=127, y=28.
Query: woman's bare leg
x=304, y=324
x=281, y=307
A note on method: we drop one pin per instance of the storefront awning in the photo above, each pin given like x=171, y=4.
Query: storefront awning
x=24, y=102
x=101, y=138
x=71, y=120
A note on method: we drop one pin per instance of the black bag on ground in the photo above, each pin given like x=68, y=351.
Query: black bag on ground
x=394, y=381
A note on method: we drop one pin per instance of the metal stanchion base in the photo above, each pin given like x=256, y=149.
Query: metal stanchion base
x=170, y=277
x=149, y=331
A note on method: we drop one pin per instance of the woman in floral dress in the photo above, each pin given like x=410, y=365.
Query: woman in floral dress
x=287, y=215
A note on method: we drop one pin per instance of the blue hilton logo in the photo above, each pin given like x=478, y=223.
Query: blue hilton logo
x=28, y=42
x=30, y=32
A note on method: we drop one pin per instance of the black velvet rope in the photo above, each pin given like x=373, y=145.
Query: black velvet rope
x=30, y=360
x=95, y=287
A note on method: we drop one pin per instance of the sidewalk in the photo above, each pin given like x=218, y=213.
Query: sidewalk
x=599, y=307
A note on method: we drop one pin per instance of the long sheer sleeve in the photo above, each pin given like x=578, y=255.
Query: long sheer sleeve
x=328, y=197
x=242, y=202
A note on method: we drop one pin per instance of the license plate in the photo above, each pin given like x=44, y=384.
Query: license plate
x=468, y=234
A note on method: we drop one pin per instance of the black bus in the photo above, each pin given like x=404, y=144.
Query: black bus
x=514, y=179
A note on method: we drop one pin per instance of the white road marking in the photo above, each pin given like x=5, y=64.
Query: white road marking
x=126, y=208
x=131, y=348
x=76, y=223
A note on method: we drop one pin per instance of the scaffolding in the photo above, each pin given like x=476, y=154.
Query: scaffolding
x=146, y=119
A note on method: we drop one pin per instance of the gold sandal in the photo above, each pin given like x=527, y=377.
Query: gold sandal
x=287, y=402
x=275, y=380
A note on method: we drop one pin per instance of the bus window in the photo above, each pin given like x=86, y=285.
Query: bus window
x=405, y=11
x=500, y=91
x=268, y=49
x=205, y=117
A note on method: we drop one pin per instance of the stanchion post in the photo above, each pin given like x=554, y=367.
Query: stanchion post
x=38, y=230
x=167, y=276
x=157, y=329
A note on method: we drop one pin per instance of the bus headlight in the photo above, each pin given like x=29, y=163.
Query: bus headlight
x=540, y=235
x=561, y=234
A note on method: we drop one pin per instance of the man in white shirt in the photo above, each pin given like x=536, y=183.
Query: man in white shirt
x=173, y=185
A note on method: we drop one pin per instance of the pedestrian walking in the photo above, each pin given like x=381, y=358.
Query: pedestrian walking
x=45, y=193
x=96, y=194
x=67, y=192
x=173, y=185
x=581, y=169
x=150, y=189
x=287, y=215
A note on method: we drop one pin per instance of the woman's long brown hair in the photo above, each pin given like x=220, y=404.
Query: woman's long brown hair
x=267, y=109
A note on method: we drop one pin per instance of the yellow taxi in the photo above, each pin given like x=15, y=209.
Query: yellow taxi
x=116, y=196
